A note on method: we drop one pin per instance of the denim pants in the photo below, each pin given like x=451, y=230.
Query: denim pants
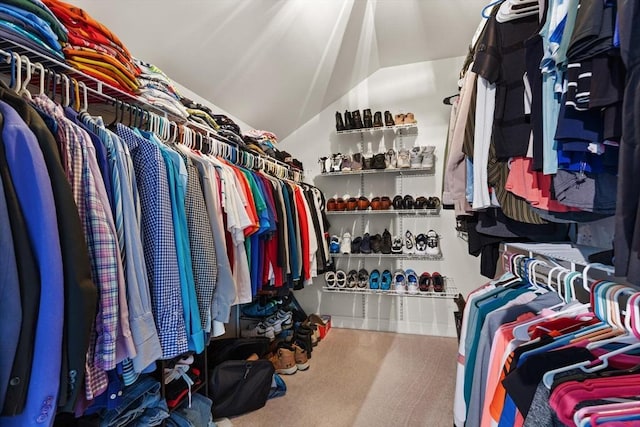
x=198, y=415
x=140, y=405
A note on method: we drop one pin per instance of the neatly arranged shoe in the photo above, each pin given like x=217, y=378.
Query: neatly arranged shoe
x=357, y=120
x=352, y=279
x=386, y=242
x=367, y=118
x=345, y=243
x=412, y=281
x=258, y=330
x=396, y=245
x=376, y=243
x=355, y=245
x=388, y=119
x=339, y=122
x=438, y=282
x=424, y=282
x=404, y=159
x=391, y=159
x=348, y=120
x=279, y=321
x=363, y=278
x=330, y=278
x=365, y=246
x=421, y=244
x=377, y=120
x=341, y=279
x=374, y=279
x=409, y=243
x=433, y=243
x=399, y=281
x=428, y=157
x=398, y=119
x=284, y=360
x=433, y=203
x=352, y=203
x=334, y=244
x=416, y=158
x=409, y=119
x=336, y=163
x=385, y=280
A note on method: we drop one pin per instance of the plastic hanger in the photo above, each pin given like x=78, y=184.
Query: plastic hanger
x=24, y=90
x=16, y=76
x=85, y=98
x=603, y=267
x=489, y=6
x=42, y=74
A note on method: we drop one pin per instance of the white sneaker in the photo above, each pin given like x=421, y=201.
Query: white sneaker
x=433, y=243
x=396, y=245
x=279, y=321
x=404, y=159
x=416, y=157
x=428, y=156
x=399, y=281
x=412, y=282
x=259, y=330
x=409, y=243
x=345, y=244
x=391, y=159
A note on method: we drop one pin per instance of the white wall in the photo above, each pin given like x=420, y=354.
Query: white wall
x=417, y=88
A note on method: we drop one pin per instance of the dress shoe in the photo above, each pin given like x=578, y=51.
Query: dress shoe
x=348, y=120
x=339, y=122
x=367, y=118
x=357, y=120
x=388, y=119
x=377, y=120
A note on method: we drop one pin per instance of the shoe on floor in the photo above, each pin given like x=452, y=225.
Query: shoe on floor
x=300, y=354
x=284, y=360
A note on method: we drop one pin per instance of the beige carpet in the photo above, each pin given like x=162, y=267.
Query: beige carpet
x=365, y=378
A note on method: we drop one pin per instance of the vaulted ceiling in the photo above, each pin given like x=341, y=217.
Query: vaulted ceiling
x=277, y=63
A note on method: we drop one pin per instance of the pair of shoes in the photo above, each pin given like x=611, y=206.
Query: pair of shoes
x=335, y=279
x=428, y=244
x=422, y=157
x=404, y=159
x=405, y=281
x=380, y=203
x=289, y=358
x=429, y=282
x=404, y=119
x=280, y=321
x=357, y=278
x=259, y=310
x=380, y=281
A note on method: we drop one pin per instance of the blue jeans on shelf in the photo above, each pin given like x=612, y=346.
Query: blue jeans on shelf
x=140, y=405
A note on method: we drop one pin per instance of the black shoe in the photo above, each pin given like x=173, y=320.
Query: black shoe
x=339, y=122
x=376, y=243
x=357, y=120
x=398, y=202
x=348, y=120
x=355, y=245
x=377, y=120
x=388, y=119
x=367, y=118
x=386, y=242
x=365, y=246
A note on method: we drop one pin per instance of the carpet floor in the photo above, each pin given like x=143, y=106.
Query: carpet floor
x=367, y=378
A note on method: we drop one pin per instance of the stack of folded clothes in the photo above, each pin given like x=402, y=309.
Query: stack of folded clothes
x=158, y=89
x=93, y=49
x=33, y=25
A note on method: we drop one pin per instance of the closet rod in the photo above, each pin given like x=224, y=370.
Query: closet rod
x=113, y=95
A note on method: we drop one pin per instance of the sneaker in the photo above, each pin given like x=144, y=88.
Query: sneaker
x=346, y=163
x=280, y=321
x=390, y=158
x=341, y=279
x=376, y=243
x=424, y=282
x=258, y=330
x=255, y=309
x=365, y=246
x=399, y=281
x=386, y=242
x=363, y=278
x=428, y=160
x=438, y=282
x=352, y=279
x=284, y=360
x=415, y=159
x=409, y=243
x=300, y=355
x=412, y=282
x=421, y=244
x=433, y=243
x=336, y=162
x=334, y=244
x=355, y=245
x=385, y=280
x=404, y=159
x=374, y=280
x=396, y=245
x=345, y=245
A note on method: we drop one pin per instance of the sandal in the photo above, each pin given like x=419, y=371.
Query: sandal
x=425, y=282
x=399, y=281
x=374, y=280
x=352, y=279
x=385, y=282
x=341, y=279
x=412, y=281
x=363, y=278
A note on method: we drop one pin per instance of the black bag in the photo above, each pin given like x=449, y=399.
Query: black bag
x=240, y=386
x=236, y=385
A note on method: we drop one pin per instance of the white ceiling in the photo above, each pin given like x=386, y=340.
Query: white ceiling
x=277, y=63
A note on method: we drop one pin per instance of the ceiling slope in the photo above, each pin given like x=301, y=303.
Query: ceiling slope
x=277, y=63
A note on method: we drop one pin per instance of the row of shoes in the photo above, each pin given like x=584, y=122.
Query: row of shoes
x=270, y=326
x=348, y=203
x=420, y=157
x=294, y=350
x=353, y=119
x=400, y=280
x=422, y=244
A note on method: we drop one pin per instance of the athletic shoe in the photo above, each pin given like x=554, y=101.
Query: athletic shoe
x=284, y=361
x=385, y=281
x=425, y=282
x=415, y=160
x=396, y=246
x=255, y=309
x=428, y=160
x=258, y=330
x=421, y=244
x=404, y=159
x=345, y=245
x=363, y=278
x=399, y=281
x=386, y=242
x=374, y=280
x=433, y=243
x=279, y=321
x=409, y=243
x=334, y=244
x=412, y=281
x=438, y=282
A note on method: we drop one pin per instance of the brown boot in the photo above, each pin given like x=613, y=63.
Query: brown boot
x=284, y=361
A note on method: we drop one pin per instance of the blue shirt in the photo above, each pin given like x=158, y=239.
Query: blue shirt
x=33, y=188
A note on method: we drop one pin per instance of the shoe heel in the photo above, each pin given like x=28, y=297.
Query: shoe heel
x=287, y=371
x=303, y=366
